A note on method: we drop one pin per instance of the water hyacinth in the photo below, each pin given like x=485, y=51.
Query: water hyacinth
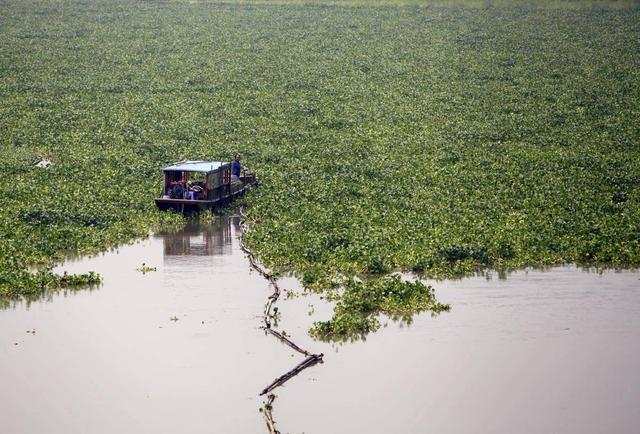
x=439, y=138
x=355, y=314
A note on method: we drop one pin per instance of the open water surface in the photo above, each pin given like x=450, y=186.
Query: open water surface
x=179, y=350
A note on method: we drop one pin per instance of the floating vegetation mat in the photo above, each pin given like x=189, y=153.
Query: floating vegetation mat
x=438, y=138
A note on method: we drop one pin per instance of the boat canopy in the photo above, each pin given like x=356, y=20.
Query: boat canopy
x=195, y=166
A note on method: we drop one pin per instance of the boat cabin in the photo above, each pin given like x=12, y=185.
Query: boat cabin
x=198, y=185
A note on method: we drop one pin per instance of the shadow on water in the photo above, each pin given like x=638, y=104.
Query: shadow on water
x=44, y=296
x=187, y=251
x=507, y=273
x=199, y=238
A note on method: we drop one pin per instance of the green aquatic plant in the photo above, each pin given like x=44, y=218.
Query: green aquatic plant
x=356, y=313
x=440, y=138
x=144, y=268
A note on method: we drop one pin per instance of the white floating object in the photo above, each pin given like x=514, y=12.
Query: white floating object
x=43, y=164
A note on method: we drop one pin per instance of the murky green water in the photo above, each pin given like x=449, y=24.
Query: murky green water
x=179, y=350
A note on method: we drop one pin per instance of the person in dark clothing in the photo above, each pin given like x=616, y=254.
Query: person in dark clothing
x=177, y=192
x=236, y=167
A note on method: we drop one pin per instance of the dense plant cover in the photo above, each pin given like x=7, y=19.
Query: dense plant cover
x=434, y=137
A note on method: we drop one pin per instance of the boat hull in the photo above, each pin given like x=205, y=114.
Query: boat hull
x=189, y=206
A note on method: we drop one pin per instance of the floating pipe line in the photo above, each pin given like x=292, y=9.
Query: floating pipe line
x=310, y=360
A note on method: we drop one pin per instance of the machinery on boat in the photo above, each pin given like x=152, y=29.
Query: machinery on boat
x=198, y=185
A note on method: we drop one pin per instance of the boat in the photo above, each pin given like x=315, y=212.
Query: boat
x=191, y=186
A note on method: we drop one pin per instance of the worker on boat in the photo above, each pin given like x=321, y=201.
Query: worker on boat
x=236, y=167
x=188, y=193
x=196, y=191
x=177, y=192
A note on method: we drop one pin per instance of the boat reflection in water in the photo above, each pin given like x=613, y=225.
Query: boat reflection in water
x=201, y=239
